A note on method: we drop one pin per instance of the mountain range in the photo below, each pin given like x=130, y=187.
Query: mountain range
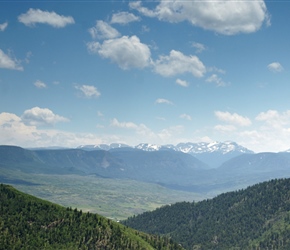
x=207, y=168
x=213, y=154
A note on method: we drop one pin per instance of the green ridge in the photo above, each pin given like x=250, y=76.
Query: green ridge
x=27, y=222
x=255, y=218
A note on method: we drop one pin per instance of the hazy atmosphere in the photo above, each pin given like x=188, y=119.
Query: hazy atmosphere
x=164, y=72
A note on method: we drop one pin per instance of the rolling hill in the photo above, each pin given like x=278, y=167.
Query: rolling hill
x=255, y=218
x=27, y=222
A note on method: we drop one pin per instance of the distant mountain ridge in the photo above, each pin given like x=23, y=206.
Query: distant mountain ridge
x=185, y=147
x=149, y=166
x=213, y=153
x=207, y=173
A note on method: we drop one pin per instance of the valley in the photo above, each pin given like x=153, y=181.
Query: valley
x=164, y=191
x=114, y=198
x=122, y=181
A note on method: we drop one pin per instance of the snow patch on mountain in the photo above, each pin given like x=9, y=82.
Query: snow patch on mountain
x=148, y=147
x=189, y=147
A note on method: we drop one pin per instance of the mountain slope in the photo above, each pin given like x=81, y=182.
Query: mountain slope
x=157, y=166
x=244, y=219
x=213, y=154
x=27, y=222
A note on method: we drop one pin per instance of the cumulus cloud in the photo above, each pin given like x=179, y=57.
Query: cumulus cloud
x=6, y=62
x=225, y=17
x=233, y=119
x=124, y=18
x=41, y=117
x=33, y=16
x=274, y=118
x=163, y=101
x=186, y=117
x=13, y=131
x=88, y=91
x=39, y=84
x=275, y=67
x=182, y=82
x=214, y=78
x=178, y=63
x=272, y=132
x=103, y=30
x=3, y=26
x=269, y=131
x=127, y=52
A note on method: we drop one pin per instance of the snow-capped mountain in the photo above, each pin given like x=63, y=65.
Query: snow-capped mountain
x=188, y=147
x=205, y=147
x=154, y=147
x=213, y=153
x=148, y=147
x=104, y=146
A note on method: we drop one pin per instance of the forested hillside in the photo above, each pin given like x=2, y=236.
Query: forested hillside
x=27, y=222
x=255, y=218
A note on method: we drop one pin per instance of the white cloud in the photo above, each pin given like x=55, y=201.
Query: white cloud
x=234, y=118
x=267, y=138
x=216, y=80
x=40, y=84
x=270, y=131
x=88, y=90
x=168, y=133
x=275, y=119
x=225, y=17
x=225, y=128
x=33, y=16
x=178, y=63
x=3, y=26
x=182, y=83
x=124, y=18
x=93, y=47
x=141, y=129
x=13, y=131
x=198, y=46
x=269, y=115
x=127, y=52
x=163, y=101
x=41, y=116
x=6, y=62
x=103, y=30
x=127, y=125
x=275, y=67
x=146, y=12
x=186, y=117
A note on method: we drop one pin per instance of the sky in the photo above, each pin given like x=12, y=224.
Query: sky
x=163, y=72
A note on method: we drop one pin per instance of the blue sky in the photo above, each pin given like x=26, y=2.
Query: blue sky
x=164, y=72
